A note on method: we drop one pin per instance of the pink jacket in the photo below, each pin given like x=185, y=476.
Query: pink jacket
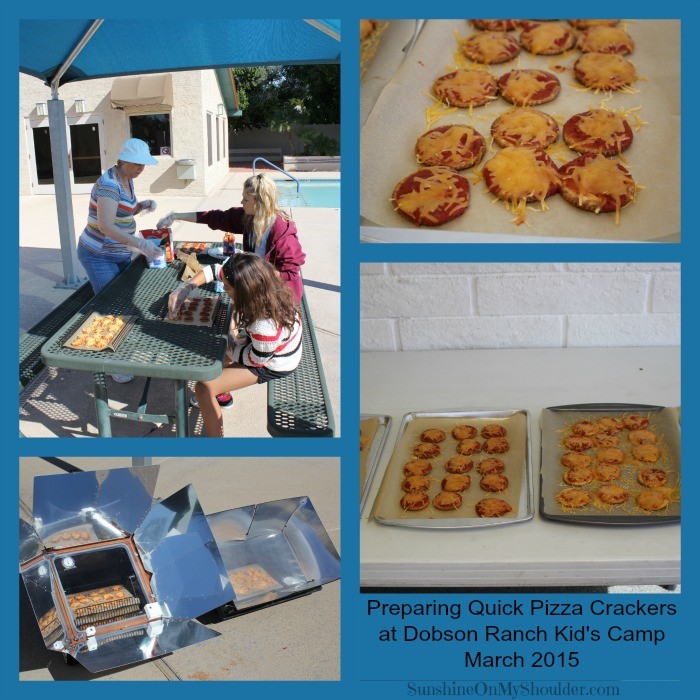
x=283, y=249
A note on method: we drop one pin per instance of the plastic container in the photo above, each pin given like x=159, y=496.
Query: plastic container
x=159, y=261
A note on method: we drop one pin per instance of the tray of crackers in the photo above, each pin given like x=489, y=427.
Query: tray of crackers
x=100, y=332
x=610, y=464
x=458, y=469
x=540, y=128
x=374, y=430
x=250, y=581
x=196, y=248
x=195, y=311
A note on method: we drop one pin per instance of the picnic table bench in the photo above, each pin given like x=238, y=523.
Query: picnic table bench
x=31, y=342
x=298, y=404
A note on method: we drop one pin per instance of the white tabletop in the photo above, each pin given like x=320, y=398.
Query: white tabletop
x=537, y=552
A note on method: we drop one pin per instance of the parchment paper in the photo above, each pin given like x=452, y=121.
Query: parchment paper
x=556, y=425
x=386, y=58
x=398, y=119
x=387, y=506
x=368, y=429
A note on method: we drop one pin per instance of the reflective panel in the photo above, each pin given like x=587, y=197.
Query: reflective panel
x=274, y=549
x=30, y=545
x=37, y=581
x=126, y=495
x=141, y=644
x=178, y=547
x=88, y=507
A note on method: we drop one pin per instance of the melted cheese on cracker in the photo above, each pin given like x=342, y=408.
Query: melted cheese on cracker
x=599, y=38
x=544, y=37
x=528, y=125
x=469, y=85
x=606, y=70
x=523, y=85
x=601, y=124
x=601, y=176
x=489, y=47
x=438, y=191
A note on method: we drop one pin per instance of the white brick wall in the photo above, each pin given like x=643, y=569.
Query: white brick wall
x=448, y=306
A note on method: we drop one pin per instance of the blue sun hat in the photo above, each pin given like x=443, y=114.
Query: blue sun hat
x=136, y=151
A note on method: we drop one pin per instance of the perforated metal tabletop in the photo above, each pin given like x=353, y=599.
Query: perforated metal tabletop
x=152, y=348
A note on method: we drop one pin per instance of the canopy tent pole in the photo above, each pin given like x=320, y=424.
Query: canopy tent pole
x=324, y=28
x=61, y=173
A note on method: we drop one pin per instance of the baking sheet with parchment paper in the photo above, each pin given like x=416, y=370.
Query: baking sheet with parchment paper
x=113, y=344
x=398, y=119
x=387, y=505
x=381, y=66
x=196, y=321
x=555, y=424
x=374, y=430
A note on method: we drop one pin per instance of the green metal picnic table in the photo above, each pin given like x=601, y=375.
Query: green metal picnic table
x=151, y=348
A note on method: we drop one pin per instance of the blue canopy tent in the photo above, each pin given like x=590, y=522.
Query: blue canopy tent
x=61, y=51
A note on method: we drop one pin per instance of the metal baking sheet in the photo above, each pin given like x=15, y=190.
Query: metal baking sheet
x=387, y=509
x=212, y=313
x=375, y=429
x=129, y=322
x=662, y=420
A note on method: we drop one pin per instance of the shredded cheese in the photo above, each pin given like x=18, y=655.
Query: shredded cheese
x=604, y=39
x=456, y=141
x=600, y=177
x=529, y=127
x=604, y=71
x=547, y=38
x=600, y=124
x=490, y=47
x=443, y=189
x=466, y=88
x=522, y=85
x=521, y=177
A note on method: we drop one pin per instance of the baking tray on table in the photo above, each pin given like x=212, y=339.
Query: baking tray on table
x=129, y=322
x=555, y=425
x=374, y=430
x=387, y=508
x=197, y=294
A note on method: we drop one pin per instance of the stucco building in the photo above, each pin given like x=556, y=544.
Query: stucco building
x=183, y=116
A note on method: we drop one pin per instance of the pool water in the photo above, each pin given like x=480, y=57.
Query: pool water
x=312, y=193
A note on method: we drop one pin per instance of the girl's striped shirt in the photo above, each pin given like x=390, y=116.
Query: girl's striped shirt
x=268, y=345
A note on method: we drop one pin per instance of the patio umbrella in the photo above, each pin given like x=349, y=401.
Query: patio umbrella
x=61, y=51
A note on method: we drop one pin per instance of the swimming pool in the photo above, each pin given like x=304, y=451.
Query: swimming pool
x=312, y=193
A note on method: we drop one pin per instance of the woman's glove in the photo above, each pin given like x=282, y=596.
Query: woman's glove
x=147, y=206
x=147, y=248
x=177, y=298
x=166, y=221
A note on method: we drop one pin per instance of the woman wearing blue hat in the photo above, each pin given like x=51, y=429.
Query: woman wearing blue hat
x=106, y=244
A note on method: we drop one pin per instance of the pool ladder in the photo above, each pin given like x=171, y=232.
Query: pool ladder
x=284, y=172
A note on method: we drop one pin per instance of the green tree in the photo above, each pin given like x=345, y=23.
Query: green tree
x=279, y=96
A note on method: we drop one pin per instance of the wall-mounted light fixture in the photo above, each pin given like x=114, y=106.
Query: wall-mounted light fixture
x=80, y=106
x=220, y=110
x=41, y=109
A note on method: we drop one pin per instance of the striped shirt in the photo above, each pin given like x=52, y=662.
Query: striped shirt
x=109, y=186
x=268, y=345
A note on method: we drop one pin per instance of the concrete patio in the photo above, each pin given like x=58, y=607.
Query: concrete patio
x=59, y=403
